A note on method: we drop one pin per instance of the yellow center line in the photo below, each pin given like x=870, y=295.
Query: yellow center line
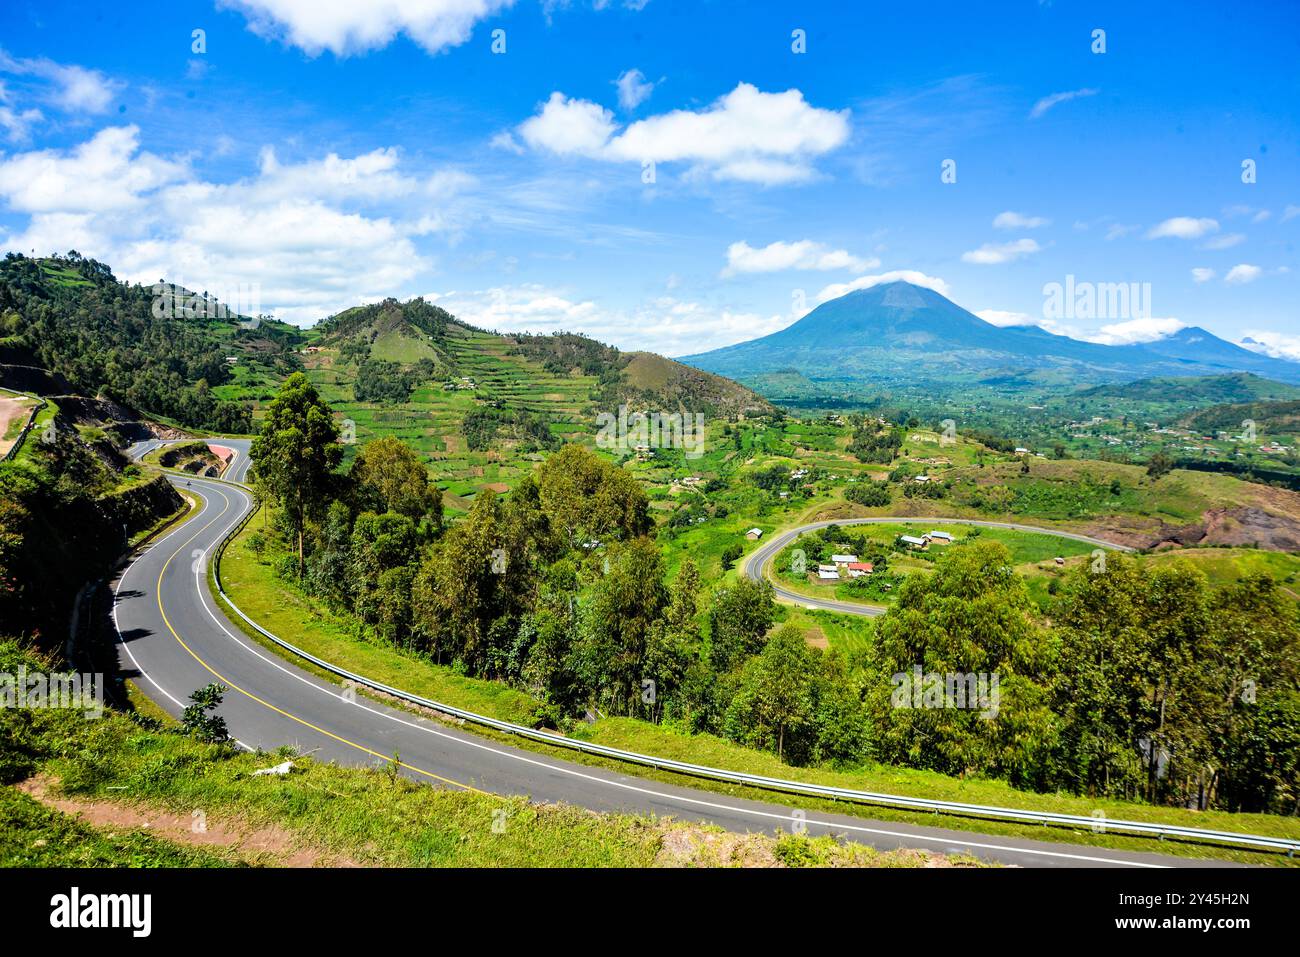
x=292, y=717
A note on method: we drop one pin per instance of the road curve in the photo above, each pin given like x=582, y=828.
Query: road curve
x=173, y=638
x=755, y=566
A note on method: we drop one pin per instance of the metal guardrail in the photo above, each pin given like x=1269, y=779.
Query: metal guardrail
x=1045, y=818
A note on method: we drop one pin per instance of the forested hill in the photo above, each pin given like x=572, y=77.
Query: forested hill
x=418, y=333
x=71, y=317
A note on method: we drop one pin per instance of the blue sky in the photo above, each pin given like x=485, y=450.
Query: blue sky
x=667, y=176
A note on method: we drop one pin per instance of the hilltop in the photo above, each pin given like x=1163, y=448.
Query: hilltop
x=479, y=404
x=68, y=325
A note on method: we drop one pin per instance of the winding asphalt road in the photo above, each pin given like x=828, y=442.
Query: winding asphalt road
x=173, y=638
x=755, y=566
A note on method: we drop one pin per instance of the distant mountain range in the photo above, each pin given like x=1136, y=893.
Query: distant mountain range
x=900, y=332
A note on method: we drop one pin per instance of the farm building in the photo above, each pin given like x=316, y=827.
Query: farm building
x=754, y=534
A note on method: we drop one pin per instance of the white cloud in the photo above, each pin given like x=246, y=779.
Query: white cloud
x=1226, y=241
x=568, y=127
x=633, y=89
x=1012, y=220
x=779, y=256
x=505, y=140
x=1291, y=212
x=74, y=89
x=1183, y=227
x=916, y=278
x=746, y=135
x=1262, y=215
x=304, y=234
x=1242, y=273
x=996, y=253
x=1136, y=330
x=1279, y=345
x=1202, y=274
x=665, y=324
x=17, y=123
x=1119, y=230
x=1047, y=102
x=104, y=173
x=1004, y=319
x=347, y=26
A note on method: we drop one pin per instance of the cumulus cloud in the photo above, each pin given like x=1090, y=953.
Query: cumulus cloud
x=306, y=234
x=746, y=135
x=567, y=126
x=67, y=87
x=1202, y=274
x=780, y=256
x=665, y=324
x=1242, y=273
x=346, y=26
x=107, y=172
x=1012, y=220
x=1005, y=319
x=916, y=278
x=633, y=89
x=991, y=254
x=1047, y=102
x=1135, y=331
x=1183, y=227
x=1279, y=345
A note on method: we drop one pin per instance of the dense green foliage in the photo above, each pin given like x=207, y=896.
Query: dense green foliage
x=1147, y=686
x=103, y=337
x=1133, y=686
x=65, y=515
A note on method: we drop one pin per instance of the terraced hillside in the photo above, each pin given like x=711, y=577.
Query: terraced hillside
x=484, y=407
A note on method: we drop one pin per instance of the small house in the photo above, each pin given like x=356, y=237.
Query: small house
x=912, y=541
x=843, y=559
x=858, y=569
x=754, y=534
x=940, y=538
x=828, y=573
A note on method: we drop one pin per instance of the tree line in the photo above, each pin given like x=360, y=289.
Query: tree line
x=1141, y=683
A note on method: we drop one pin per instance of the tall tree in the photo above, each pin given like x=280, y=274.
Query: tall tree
x=296, y=452
x=389, y=476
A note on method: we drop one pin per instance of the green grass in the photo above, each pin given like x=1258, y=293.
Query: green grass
x=33, y=835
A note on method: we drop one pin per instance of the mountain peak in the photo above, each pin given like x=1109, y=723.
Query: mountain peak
x=899, y=331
